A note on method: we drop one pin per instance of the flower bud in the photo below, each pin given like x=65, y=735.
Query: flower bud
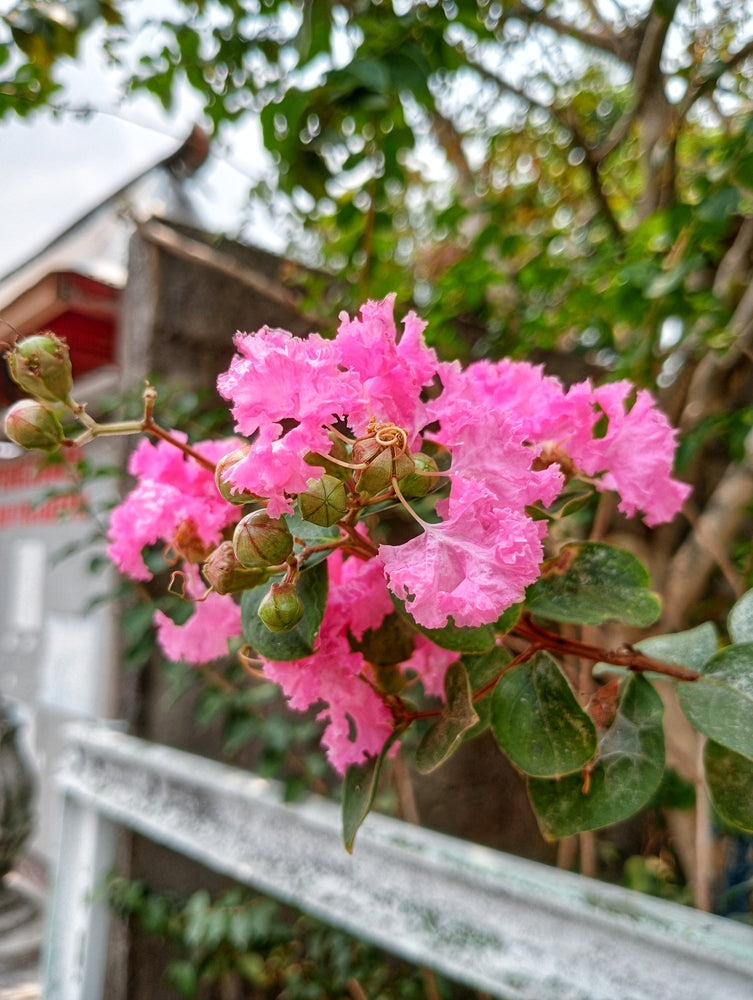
x=188, y=543
x=260, y=540
x=414, y=486
x=226, y=490
x=33, y=425
x=281, y=608
x=324, y=502
x=41, y=366
x=226, y=575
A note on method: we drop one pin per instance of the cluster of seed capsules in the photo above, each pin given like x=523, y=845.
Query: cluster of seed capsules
x=362, y=474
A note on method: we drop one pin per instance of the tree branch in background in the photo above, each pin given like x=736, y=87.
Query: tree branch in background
x=716, y=527
x=703, y=84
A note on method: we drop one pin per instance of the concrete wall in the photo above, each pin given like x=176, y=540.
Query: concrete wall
x=57, y=659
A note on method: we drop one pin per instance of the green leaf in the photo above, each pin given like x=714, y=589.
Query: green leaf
x=720, y=702
x=590, y=583
x=311, y=535
x=628, y=769
x=730, y=781
x=483, y=667
x=446, y=735
x=508, y=619
x=690, y=649
x=183, y=977
x=459, y=640
x=391, y=643
x=740, y=619
x=299, y=642
x=564, y=505
x=538, y=721
x=359, y=790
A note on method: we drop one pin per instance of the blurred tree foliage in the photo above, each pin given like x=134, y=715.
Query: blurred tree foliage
x=547, y=175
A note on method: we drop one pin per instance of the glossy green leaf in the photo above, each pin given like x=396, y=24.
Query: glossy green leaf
x=460, y=640
x=691, y=648
x=392, y=642
x=299, y=642
x=720, y=702
x=627, y=771
x=565, y=504
x=729, y=777
x=508, y=619
x=311, y=535
x=740, y=619
x=443, y=738
x=359, y=790
x=482, y=668
x=538, y=722
x=591, y=583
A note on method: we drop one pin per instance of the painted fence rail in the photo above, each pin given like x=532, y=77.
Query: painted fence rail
x=515, y=929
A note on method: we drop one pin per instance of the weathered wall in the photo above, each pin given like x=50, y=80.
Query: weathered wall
x=183, y=302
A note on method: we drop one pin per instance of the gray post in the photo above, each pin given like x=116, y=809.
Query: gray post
x=75, y=957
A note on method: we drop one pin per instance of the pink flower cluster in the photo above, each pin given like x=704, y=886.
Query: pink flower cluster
x=358, y=719
x=172, y=493
x=511, y=436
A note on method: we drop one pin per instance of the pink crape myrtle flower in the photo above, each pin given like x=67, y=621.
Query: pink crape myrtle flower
x=430, y=662
x=488, y=443
x=331, y=675
x=470, y=566
x=358, y=600
x=276, y=380
x=172, y=489
x=289, y=390
x=391, y=372
x=204, y=637
x=359, y=722
x=635, y=455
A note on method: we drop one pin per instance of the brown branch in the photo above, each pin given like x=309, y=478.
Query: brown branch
x=695, y=561
x=563, y=117
x=702, y=84
x=450, y=141
x=649, y=39
x=150, y=427
x=626, y=656
x=715, y=364
x=605, y=41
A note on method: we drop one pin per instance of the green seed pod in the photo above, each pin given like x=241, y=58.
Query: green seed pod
x=378, y=476
x=225, y=489
x=260, y=541
x=324, y=502
x=41, y=366
x=366, y=449
x=375, y=478
x=281, y=608
x=225, y=574
x=33, y=425
x=414, y=486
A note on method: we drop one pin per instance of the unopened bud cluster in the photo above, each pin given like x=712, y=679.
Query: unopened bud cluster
x=41, y=366
x=357, y=473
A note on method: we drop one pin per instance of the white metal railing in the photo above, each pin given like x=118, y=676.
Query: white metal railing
x=513, y=928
